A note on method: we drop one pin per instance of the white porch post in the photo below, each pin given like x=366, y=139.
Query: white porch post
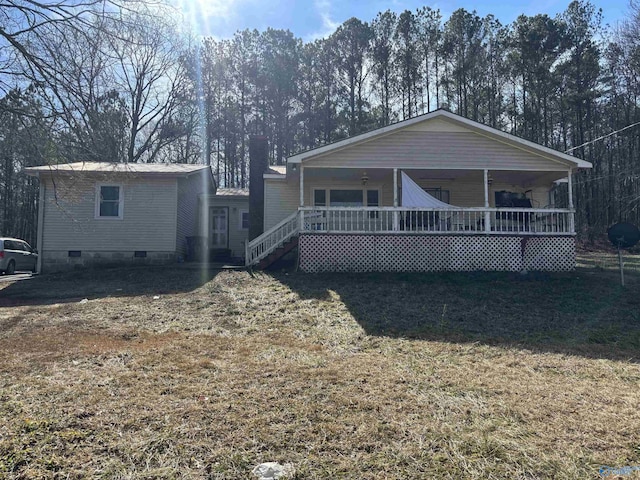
x=301, y=213
x=301, y=185
x=396, y=220
x=572, y=227
x=487, y=215
x=395, y=187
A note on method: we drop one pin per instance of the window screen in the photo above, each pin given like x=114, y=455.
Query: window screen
x=320, y=198
x=372, y=198
x=345, y=198
x=439, y=193
x=109, y=201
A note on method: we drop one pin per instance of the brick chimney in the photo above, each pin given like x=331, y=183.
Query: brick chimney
x=258, y=164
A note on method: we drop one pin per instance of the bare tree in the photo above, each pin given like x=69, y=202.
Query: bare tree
x=113, y=78
x=27, y=25
x=149, y=74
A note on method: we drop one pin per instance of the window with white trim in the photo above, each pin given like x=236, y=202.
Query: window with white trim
x=109, y=201
x=438, y=193
x=373, y=198
x=333, y=197
x=320, y=198
x=244, y=220
x=346, y=198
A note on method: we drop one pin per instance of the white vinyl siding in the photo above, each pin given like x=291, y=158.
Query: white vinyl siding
x=541, y=197
x=437, y=150
x=237, y=236
x=469, y=192
x=436, y=125
x=148, y=223
x=463, y=193
x=189, y=189
x=437, y=146
x=281, y=199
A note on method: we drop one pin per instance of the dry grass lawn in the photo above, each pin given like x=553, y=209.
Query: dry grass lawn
x=404, y=376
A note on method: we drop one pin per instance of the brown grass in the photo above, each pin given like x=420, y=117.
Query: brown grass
x=345, y=376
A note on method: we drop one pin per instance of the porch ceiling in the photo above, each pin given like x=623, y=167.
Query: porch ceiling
x=515, y=177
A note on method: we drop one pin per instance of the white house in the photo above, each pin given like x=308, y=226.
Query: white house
x=107, y=213
x=436, y=192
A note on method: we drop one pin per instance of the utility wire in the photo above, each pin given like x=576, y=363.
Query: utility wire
x=602, y=137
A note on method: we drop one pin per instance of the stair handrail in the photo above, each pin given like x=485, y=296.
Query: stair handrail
x=261, y=246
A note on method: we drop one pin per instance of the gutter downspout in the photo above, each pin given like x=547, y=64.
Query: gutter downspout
x=40, y=232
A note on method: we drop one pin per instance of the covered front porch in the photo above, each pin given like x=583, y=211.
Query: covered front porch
x=438, y=192
x=467, y=201
x=353, y=220
x=484, y=220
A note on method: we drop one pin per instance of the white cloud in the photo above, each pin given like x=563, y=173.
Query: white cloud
x=205, y=17
x=208, y=8
x=329, y=25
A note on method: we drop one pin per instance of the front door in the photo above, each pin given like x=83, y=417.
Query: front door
x=219, y=224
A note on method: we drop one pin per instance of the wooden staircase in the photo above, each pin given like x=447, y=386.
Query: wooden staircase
x=273, y=244
x=278, y=253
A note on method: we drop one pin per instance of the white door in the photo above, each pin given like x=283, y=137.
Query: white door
x=219, y=225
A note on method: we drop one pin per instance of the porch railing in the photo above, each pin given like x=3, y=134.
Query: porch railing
x=401, y=220
x=260, y=247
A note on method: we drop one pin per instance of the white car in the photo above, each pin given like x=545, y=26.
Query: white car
x=16, y=255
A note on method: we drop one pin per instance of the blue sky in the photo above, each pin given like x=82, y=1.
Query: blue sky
x=309, y=19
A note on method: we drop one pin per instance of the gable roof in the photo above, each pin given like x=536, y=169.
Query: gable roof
x=164, y=169
x=469, y=125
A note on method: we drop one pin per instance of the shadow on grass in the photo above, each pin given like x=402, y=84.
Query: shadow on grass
x=585, y=312
x=102, y=283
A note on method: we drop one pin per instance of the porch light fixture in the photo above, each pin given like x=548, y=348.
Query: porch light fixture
x=365, y=178
x=294, y=167
x=489, y=179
